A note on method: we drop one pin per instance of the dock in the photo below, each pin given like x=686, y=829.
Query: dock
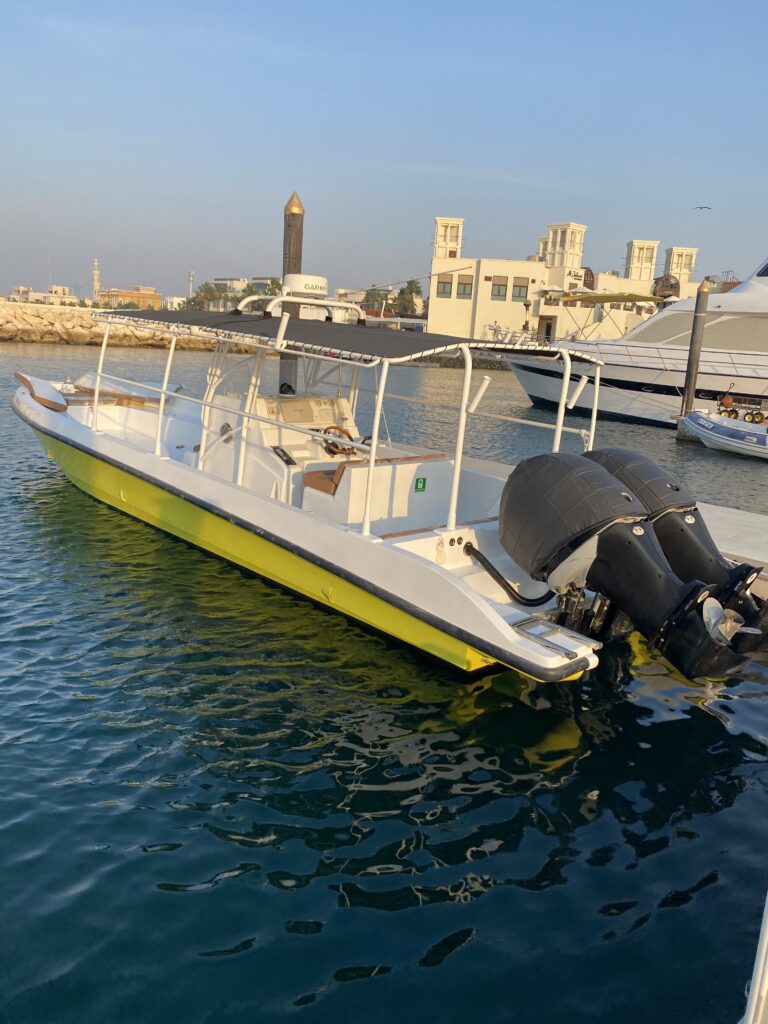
x=741, y=536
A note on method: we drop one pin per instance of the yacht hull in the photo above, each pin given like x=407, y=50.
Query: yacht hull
x=645, y=385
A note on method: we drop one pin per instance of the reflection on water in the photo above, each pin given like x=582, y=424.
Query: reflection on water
x=223, y=803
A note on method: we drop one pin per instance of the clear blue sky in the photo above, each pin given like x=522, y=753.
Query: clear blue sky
x=167, y=136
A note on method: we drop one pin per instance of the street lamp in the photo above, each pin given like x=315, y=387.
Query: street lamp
x=527, y=308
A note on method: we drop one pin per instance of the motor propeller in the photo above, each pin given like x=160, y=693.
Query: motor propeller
x=723, y=623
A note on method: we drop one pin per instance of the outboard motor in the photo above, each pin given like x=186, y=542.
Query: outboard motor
x=567, y=521
x=686, y=541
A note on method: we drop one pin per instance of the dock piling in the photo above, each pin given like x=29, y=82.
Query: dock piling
x=694, y=357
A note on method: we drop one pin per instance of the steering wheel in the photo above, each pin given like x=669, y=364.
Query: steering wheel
x=334, y=447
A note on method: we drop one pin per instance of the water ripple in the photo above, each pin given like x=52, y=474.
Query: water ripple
x=223, y=803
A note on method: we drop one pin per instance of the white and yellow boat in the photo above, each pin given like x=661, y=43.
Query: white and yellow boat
x=400, y=538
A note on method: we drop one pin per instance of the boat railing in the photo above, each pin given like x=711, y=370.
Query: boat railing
x=240, y=413
x=521, y=421
x=467, y=407
x=673, y=358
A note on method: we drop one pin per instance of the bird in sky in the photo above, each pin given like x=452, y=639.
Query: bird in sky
x=702, y=207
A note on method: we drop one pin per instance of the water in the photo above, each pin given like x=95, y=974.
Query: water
x=221, y=803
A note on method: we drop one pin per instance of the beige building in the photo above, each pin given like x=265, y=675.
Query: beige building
x=56, y=295
x=486, y=298
x=142, y=295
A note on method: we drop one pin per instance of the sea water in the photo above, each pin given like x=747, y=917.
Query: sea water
x=220, y=803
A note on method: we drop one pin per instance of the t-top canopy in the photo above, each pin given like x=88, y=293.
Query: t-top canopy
x=318, y=337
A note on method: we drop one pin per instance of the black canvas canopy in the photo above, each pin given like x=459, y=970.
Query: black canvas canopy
x=346, y=341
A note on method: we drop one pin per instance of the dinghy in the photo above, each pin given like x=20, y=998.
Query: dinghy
x=729, y=435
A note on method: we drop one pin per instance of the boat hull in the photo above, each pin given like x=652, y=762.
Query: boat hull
x=248, y=548
x=727, y=435
x=643, y=386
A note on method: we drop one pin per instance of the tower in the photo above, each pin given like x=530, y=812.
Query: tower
x=448, y=233
x=641, y=260
x=564, y=245
x=95, y=281
x=680, y=262
x=293, y=235
x=191, y=279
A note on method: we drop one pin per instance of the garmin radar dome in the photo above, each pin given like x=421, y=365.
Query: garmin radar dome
x=568, y=521
x=310, y=286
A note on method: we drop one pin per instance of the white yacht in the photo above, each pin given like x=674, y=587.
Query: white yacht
x=473, y=562
x=644, y=372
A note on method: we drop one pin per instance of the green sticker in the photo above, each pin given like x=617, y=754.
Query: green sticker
x=421, y=484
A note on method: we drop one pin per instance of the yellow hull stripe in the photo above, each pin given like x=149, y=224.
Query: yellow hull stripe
x=152, y=504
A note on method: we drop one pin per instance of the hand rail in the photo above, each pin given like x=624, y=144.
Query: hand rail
x=236, y=412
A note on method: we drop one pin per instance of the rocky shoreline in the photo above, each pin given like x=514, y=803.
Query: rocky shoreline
x=34, y=323
x=30, y=322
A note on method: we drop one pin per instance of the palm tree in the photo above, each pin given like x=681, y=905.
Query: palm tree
x=205, y=295
x=406, y=297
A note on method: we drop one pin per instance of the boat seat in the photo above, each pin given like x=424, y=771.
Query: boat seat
x=328, y=480
x=43, y=392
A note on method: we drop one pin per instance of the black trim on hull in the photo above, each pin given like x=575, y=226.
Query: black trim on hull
x=499, y=655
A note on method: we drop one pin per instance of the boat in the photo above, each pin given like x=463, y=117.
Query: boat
x=729, y=435
x=532, y=567
x=644, y=371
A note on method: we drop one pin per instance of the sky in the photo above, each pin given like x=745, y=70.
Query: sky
x=166, y=137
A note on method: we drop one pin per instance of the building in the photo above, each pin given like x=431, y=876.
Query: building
x=680, y=263
x=142, y=296
x=235, y=285
x=486, y=298
x=56, y=295
x=641, y=260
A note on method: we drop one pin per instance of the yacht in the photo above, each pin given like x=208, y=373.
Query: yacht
x=277, y=467
x=644, y=371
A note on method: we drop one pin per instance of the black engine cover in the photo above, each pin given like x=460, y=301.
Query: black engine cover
x=552, y=503
x=685, y=539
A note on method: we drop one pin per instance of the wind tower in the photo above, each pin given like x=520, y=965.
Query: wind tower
x=640, y=264
x=680, y=262
x=448, y=237
x=95, y=281
x=564, y=245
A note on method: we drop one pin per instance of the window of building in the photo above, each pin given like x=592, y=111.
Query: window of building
x=444, y=286
x=464, y=287
x=499, y=288
x=519, y=289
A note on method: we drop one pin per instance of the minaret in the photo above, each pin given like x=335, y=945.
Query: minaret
x=95, y=281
